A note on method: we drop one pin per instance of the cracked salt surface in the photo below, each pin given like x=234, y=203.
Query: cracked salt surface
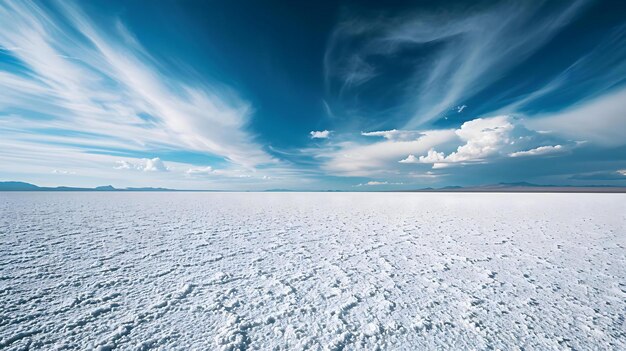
x=327, y=271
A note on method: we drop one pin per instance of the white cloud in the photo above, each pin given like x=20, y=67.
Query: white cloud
x=542, y=150
x=600, y=175
x=375, y=183
x=223, y=173
x=480, y=140
x=200, y=170
x=394, y=134
x=146, y=165
x=387, y=134
x=410, y=159
x=600, y=120
x=379, y=158
x=439, y=165
x=97, y=84
x=62, y=171
x=125, y=165
x=432, y=157
x=427, y=175
x=155, y=165
x=94, y=169
x=469, y=58
x=596, y=74
x=437, y=159
x=324, y=134
x=483, y=137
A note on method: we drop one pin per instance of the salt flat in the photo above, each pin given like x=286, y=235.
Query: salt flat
x=331, y=271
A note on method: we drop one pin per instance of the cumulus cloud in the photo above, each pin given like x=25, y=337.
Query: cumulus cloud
x=483, y=137
x=355, y=159
x=432, y=157
x=146, y=165
x=410, y=159
x=323, y=134
x=437, y=159
x=542, y=150
x=480, y=140
x=154, y=165
x=461, y=55
x=126, y=165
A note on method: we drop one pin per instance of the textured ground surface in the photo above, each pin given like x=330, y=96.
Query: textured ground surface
x=138, y=271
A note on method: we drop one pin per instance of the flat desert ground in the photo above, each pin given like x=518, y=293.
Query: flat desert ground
x=318, y=271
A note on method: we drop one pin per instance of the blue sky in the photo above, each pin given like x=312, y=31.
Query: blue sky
x=351, y=95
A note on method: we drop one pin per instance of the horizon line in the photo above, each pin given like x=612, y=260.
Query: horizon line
x=518, y=187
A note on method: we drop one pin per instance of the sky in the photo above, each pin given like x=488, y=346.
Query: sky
x=323, y=95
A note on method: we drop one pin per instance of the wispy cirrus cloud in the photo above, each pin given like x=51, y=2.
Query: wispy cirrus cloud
x=416, y=71
x=591, y=77
x=76, y=84
x=407, y=94
x=620, y=174
x=394, y=134
x=209, y=171
x=354, y=158
x=466, y=51
x=600, y=120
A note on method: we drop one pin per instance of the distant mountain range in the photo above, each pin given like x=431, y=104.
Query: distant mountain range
x=520, y=187
x=524, y=187
x=22, y=186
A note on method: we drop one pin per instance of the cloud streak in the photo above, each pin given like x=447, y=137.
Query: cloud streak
x=75, y=79
x=378, y=158
x=469, y=50
x=600, y=120
x=378, y=183
x=542, y=150
x=84, y=98
x=146, y=165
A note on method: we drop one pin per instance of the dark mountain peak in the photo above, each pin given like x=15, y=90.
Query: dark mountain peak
x=521, y=184
x=15, y=186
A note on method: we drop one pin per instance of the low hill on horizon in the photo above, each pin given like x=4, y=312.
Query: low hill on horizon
x=519, y=187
